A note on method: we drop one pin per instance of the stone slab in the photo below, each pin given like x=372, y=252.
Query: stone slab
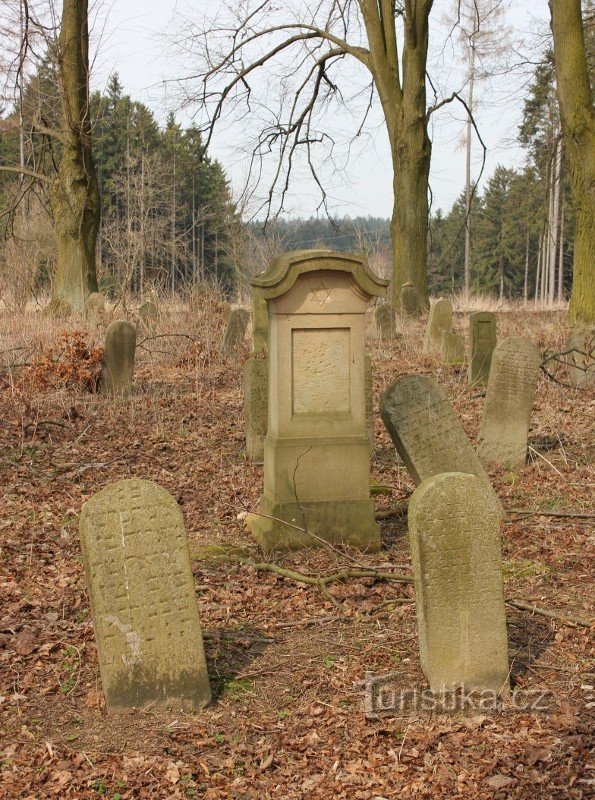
x=482, y=341
x=439, y=322
x=118, y=358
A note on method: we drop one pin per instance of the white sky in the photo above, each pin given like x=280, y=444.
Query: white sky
x=133, y=44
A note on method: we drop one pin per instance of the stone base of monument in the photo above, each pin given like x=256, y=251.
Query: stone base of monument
x=293, y=526
x=256, y=388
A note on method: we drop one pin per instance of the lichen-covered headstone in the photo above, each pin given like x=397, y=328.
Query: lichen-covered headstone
x=148, y=314
x=581, y=359
x=439, y=322
x=235, y=330
x=384, y=319
x=118, y=358
x=410, y=303
x=143, y=600
x=482, y=341
x=316, y=451
x=255, y=381
x=426, y=432
x=457, y=570
x=508, y=403
x=260, y=325
x=453, y=348
x=95, y=307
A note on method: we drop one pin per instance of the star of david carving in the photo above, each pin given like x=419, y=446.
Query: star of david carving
x=320, y=294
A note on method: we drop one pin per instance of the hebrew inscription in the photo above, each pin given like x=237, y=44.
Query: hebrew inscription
x=320, y=371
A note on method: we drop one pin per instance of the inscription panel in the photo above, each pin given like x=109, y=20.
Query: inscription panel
x=320, y=371
x=142, y=596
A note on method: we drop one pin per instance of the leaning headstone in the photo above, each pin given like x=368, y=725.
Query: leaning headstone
x=95, y=307
x=316, y=451
x=410, y=302
x=235, y=330
x=143, y=600
x=457, y=571
x=453, y=348
x=426, y=432
x=148, y=314
x=384, y=319
x=581, y=359
x=260, y=325
x=255, y=381
x=439, y=322
x=118, y=358
x=508, y=403
x=482, y=341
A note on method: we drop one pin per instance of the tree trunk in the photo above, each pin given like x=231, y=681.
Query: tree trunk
x=578, y=130
x=468, y=174
x=75, y=200
x=561, y=254
x=554, y=220
x=526, y=280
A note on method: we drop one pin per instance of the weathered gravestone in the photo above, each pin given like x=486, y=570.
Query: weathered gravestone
x=426, y=432
x=453, y=348
x=255, y=381
x=316, y=453
x=235, y=330
x=118, y=358
x=369, y=403
x=581, y=359
x=148, y=314
x=482, y=341
x=384, y=319
x=457, y=569
x=143, y=600
x=260, y=325
x=508, y=403
x=439, y=322
x=95, y=307
x=410, y=303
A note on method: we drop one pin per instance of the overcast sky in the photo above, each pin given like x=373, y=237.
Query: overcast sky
x=133, y=43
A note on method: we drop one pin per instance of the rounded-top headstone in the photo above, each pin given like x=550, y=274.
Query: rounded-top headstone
x=235, y=330
x=118, y=358
x=95, y=306
x=439, y=322
x=410, y=302
x=384, y=318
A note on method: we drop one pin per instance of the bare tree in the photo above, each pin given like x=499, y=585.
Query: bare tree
x=308, y=44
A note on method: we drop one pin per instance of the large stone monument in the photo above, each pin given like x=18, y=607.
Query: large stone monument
x=482, y=341
x=317, y=459
x=410, y=302
x=439, y=322
x=426, y=431
x=118, y=358
x=141, y=588
x=384, y=320
x=453, y=348
x=457, y=572
x=508, y=403
x=581, y=358
x=235, y=330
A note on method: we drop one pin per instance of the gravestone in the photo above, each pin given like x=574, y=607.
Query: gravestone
x=369, y=403
x=581, y=361
x=457, y=571
x=453, y=348
x=439, y=322
x=508, y=403
x=260, y=325
x=118, y=358
x=225, y=308
x=410, y=303
x=482, y=341
x=316, y=452
x=148, y=314
x=95, y=307
x=255, y=381
x=235, y=330
x=384, y=319
x=426, y=432
x=143, y=600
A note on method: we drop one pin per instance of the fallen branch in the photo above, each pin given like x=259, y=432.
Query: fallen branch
x=563, y=514
x=39, y=422
x=573, y=621
x=395, y=511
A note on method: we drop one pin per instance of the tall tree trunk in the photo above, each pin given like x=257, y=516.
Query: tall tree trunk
x=75, y=200
x=578, y=129
x=526, y=280
x=538, y=269
x=468, y=173
x=501, y=273
x=554, y=220
x=561, y=258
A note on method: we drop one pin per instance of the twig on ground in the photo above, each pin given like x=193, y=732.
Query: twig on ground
x=567, y=620
x=529, y=512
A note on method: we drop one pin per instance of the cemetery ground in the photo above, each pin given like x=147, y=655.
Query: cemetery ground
x=285, y=656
